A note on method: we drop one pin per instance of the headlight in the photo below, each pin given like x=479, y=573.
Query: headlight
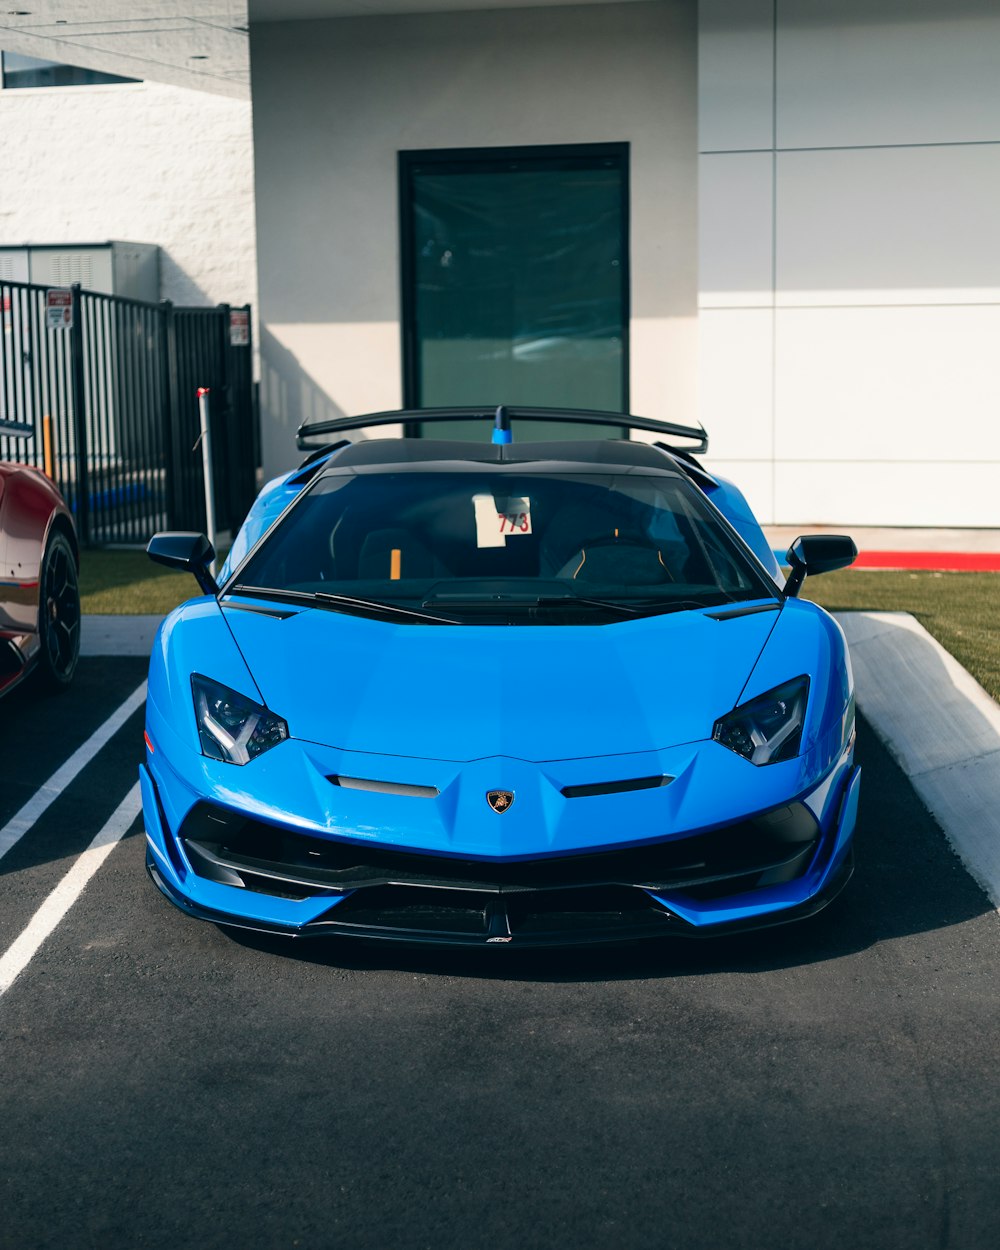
x=232, y=727
x=768, y=729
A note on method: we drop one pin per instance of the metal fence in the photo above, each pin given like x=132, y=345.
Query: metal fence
x=100, y=392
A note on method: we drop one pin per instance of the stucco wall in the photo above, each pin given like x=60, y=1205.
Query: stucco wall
x=850, y=257
x=144, y=162
x=334, y=101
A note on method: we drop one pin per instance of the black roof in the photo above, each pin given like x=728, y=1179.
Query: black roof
x=610, y=454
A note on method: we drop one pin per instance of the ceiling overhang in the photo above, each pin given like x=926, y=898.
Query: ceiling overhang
x=310, y=10
x=183, y=42
x=200, y=44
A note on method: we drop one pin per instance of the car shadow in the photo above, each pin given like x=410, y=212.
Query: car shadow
x=907, y=880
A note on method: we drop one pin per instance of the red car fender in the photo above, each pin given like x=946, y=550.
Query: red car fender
x=30, y=506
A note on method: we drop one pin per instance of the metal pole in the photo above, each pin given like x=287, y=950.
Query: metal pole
x=206, y=463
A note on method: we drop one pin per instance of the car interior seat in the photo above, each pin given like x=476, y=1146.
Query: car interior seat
x=619, y=559
x=394, y=554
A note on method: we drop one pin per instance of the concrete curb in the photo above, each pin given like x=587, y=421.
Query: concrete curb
x=940, y=725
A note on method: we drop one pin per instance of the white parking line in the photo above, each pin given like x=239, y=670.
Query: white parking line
x=15, y=829
x=69, y=889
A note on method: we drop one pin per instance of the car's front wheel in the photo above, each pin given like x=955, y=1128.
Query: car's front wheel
x=58, y=614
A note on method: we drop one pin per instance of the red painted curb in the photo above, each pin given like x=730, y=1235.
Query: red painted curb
x=939, y=561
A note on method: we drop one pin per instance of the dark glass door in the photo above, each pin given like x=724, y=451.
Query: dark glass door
x=515, y=279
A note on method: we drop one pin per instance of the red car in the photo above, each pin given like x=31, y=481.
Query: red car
x=39, y=591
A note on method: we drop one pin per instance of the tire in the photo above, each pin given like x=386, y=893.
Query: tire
x=58, y=614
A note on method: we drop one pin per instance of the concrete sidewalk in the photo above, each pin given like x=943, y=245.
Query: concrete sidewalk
x=118, y=635
x=940, y=725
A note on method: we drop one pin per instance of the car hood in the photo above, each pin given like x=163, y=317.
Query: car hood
x=469, y=692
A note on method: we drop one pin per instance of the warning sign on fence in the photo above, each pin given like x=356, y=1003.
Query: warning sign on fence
x=239, y=327
x=59, y=308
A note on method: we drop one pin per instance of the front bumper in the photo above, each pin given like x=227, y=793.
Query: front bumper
x=570, y=900
x=613, y=928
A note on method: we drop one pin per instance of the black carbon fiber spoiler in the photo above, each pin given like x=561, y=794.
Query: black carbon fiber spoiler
x=307, y=433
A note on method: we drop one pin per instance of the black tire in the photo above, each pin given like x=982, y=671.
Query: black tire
x=58, y=614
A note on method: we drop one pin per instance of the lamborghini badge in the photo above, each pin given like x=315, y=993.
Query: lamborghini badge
x=500, y=800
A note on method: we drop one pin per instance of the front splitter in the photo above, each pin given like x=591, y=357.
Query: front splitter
x=657, y=923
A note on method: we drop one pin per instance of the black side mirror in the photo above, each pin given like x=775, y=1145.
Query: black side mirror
x=181, y=549
x=818, y=553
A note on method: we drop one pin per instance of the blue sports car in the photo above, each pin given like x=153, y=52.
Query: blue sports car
x=500, y=691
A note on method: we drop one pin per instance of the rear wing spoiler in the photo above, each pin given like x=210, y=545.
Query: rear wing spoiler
x=414, y=416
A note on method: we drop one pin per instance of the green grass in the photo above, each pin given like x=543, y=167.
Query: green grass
x=961, y=610
x=127, y=582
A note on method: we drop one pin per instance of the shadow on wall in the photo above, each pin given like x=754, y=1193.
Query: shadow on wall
x=177, y=285
x=288, y=395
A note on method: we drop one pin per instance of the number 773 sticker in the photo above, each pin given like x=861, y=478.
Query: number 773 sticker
x=500, y=519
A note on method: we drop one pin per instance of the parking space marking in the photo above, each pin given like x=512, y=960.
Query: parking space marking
x=69, y=889
x=15, y=829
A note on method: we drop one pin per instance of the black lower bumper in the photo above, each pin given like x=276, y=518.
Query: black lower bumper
x=508, y=920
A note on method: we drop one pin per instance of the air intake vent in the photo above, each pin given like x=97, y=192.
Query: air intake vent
x=616, y=787
x=385, y=787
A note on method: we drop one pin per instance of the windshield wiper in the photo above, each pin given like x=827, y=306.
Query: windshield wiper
x=345, y=603
x=641, y=607
x=559, y=601
x=506, y=603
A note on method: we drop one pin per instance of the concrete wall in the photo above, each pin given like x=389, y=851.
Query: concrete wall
x=143, y=162
x=334, y=101
x=850, y=257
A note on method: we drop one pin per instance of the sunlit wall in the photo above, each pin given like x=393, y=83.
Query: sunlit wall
x=850, y=257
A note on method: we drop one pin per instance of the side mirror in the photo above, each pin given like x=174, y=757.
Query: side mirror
x=818, y=553
x=180, y=549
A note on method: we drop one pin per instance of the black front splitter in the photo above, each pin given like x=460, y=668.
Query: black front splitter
x=670, y=925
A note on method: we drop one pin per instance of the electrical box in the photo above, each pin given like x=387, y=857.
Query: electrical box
x=13, y=264
x=131, y=270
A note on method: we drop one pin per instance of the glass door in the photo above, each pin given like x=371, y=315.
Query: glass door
x=515, y=280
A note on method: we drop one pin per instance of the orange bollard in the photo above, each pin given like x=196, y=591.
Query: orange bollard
x=47, y=446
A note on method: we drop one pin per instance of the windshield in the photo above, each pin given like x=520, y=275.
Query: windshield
x=489, y=546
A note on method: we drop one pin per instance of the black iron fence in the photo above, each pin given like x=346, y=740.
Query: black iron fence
x=101, y=393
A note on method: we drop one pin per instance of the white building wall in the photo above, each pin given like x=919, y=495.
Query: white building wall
x=334, y=101
x=143, y=162
x=850, y=257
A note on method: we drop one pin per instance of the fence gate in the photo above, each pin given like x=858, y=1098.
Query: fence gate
x=101, y=393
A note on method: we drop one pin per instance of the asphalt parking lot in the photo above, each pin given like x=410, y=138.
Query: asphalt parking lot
x=165, y=1083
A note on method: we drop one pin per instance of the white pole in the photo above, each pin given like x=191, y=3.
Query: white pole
x=206, y=464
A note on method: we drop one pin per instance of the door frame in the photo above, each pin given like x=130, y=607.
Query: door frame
x=467, y=159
